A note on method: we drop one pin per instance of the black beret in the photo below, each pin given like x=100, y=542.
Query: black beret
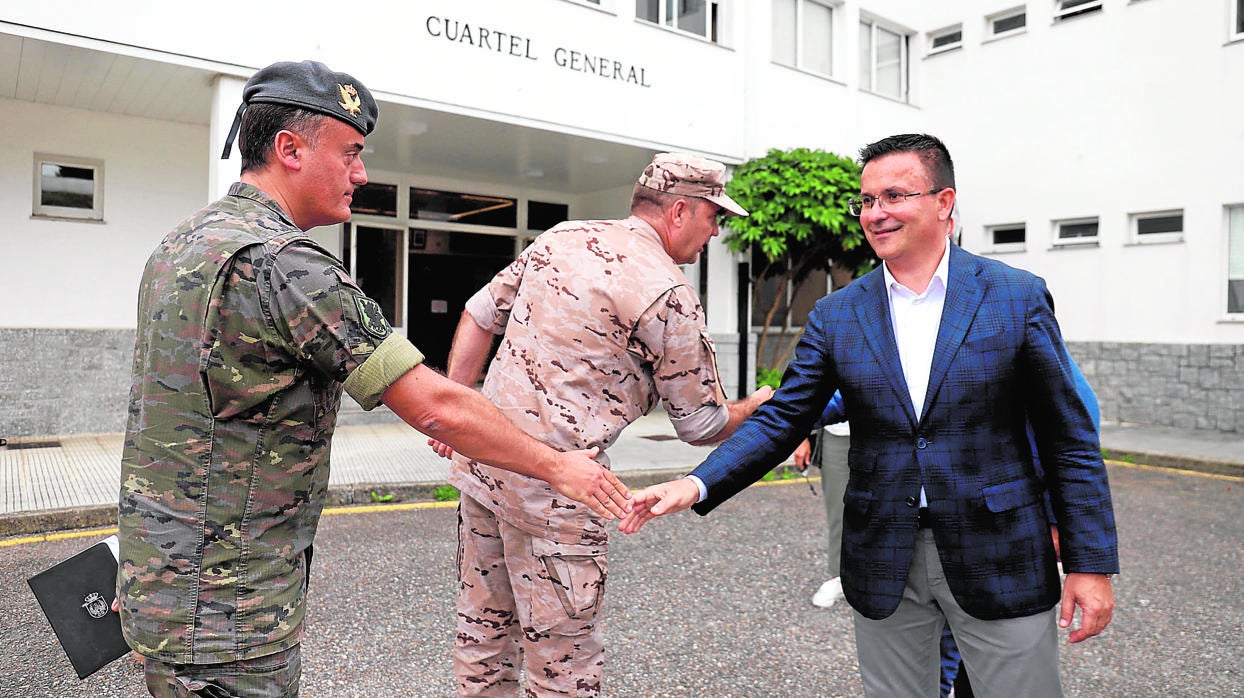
x=309, y=85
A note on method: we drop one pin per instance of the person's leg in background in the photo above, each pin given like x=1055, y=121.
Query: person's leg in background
x=963, y=687
x=832, y=457
x=953, y=675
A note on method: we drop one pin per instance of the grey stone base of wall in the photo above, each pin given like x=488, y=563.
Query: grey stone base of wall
x=1187, y=386
x=63, y=381
x=69, y=381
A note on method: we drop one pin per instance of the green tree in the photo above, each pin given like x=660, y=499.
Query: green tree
x=799, y=223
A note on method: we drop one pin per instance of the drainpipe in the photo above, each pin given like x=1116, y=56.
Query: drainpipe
x=745, y=324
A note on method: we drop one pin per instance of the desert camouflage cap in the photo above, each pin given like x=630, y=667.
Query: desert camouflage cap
x=690, y=175
x=308, y=85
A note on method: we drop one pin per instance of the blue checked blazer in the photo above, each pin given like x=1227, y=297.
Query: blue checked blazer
x=999, y=362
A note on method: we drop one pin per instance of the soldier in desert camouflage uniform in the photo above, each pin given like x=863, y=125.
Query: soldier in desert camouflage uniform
x=598, y=324
x=248, y=331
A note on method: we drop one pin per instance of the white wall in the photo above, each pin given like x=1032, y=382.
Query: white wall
x=1135, y=108
x=789, y=108
x=609, y=203
x=404, y=51
x=85, y=275
x=1131, y=109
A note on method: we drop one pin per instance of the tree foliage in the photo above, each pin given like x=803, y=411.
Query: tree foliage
x=799, y=223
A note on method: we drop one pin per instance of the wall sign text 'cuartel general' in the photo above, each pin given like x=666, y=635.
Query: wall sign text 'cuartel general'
x=517, y=46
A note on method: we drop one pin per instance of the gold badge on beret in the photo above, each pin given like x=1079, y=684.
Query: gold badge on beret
x=350, y=100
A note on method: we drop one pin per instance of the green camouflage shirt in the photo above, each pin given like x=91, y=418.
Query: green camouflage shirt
x=247, y=333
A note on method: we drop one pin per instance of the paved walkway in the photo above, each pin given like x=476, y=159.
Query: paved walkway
x=63, y=482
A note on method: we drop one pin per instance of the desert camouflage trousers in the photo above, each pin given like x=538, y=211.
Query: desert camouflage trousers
x=526, y=599
x=270, y=676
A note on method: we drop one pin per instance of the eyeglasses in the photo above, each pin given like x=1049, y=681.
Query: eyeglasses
x=889, y=198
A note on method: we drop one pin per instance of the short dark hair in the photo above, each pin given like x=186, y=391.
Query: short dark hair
x=660, y=201
x=260, y=124
x=930, y=149
x=647, y=197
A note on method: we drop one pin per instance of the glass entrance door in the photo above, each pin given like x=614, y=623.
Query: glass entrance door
x=445, y=272
x=379, y=267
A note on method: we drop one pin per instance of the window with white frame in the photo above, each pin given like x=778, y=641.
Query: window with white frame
x=68, y=187
x=1235, y=259
x=1066, y=9
x=1013, y=21
x=699, y=17
x=375, y=199
x=883, y=60
x=1011, y=237
x=1158, y=226
x=803, y=32
x=1075, y=231
x=1237, y=19
x=946, y=39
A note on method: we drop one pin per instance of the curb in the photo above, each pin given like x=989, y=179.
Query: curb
x=48, y=520
x=1207, y=466
x=101, y=515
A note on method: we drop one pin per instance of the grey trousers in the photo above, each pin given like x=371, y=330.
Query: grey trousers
x=900, y=655
x=834, y=475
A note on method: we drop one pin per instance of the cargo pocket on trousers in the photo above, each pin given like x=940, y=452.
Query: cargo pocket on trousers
x=574, y=579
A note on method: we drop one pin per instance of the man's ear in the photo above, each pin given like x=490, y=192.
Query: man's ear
x=678, y=211
x=946, y=204
x=286, y=147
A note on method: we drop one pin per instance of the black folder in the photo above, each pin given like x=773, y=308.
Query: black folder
x=76, y=596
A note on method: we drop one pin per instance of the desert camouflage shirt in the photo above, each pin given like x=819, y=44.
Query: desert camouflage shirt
x=599, y=323
x=247, y=333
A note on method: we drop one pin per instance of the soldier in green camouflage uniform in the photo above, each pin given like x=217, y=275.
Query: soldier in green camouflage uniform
x=248, y=331
x=598, y=325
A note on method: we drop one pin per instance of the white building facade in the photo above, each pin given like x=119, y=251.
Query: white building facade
x=1097, y=143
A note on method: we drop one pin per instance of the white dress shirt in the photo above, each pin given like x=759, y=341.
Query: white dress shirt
x=915, y=319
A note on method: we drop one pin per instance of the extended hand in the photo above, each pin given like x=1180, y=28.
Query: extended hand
x=803, y=455
x=584, y=480
x=758, y=398
x=666, y=498
x=442, y=449
x=1095, y=597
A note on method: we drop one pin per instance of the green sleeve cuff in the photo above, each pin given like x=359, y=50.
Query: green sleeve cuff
x=391, y=360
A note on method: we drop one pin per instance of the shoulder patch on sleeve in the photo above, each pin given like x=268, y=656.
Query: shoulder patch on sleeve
x=371, y=317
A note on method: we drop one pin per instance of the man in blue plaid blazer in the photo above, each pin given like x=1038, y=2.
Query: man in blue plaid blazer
x=942, y=357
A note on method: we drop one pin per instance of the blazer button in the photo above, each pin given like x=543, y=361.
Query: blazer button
x=912, y=501
x=921, y=443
